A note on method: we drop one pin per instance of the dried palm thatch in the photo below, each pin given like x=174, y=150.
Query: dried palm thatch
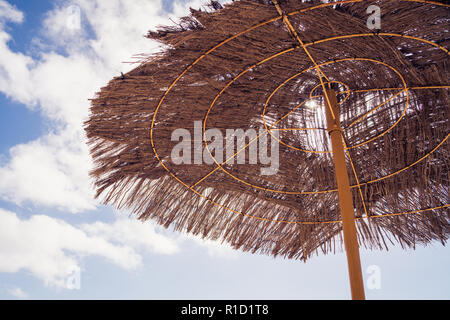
x=239, y=66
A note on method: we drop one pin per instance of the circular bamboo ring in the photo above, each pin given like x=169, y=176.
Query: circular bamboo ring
x=274, y=137
x=405, y=88
x=306, y=45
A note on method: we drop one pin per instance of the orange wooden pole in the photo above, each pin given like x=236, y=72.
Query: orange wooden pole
x=345, y=197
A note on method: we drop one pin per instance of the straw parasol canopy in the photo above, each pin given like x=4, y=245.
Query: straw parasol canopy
x=242, y=67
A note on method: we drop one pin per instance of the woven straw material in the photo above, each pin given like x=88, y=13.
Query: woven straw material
x=241, y=67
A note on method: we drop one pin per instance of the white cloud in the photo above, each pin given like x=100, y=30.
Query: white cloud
x=215, y=249
x=18, y=293
x=14, y=73
x=134, y=233
x=120, y=26
x=53, y=170
x=64, y=23
x=50, y=171
x=10, y=13
x=51, y=249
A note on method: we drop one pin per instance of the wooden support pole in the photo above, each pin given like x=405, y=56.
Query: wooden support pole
x=345, y=197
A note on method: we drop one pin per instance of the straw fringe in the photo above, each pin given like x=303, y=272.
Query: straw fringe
x=288, y=222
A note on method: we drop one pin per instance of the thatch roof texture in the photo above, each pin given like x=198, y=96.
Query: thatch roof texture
x=240, y=67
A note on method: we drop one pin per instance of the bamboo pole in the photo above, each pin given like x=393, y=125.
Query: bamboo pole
x=345, y=197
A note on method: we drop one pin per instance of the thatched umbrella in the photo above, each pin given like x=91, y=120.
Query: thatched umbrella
x=361, y=117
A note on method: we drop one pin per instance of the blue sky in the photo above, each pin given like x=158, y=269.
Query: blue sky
x=50, y=225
